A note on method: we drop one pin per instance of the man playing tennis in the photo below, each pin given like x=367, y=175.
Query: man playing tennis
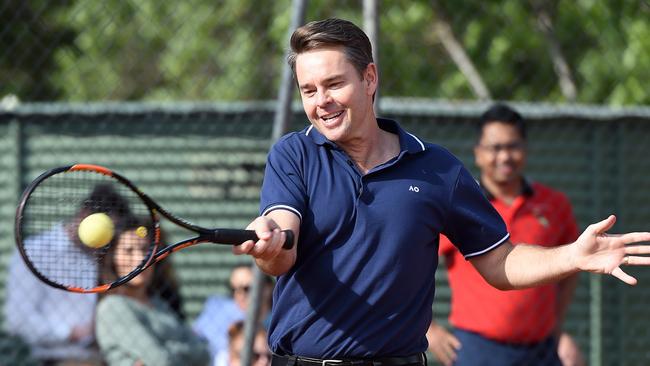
x=367, y=202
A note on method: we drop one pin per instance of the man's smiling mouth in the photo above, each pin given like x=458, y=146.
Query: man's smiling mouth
x=331, y=116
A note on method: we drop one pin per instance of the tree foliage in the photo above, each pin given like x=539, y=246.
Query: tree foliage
x=27, y=43
x=233, y=49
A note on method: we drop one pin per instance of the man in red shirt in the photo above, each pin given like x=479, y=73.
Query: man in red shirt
x=523, y=327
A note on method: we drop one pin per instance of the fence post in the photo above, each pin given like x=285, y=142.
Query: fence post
x=371, y=27
x=280, y=127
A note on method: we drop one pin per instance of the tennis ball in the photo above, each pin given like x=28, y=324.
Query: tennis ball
x=96, y=230
x=141, y=231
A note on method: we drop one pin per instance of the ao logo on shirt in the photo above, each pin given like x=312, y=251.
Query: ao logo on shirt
x=415, y=189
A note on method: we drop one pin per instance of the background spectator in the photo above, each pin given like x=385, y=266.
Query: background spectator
x=261, y=355
x=58, y=325
x=135, y=326
x=220, y=312
x=510, y=327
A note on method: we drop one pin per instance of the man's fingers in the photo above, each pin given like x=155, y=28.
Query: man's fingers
x=269, y=245
x=602, y=226
x=276, y=238
x=275, y=246
x=447, y=351
x=450, y=354
x=636, y=261
x=637, y=249
x=445, y=360
x=264, y=234
x=450, y=349
x=443, y=356
x=631, y=238
x=243, y=248
x=618, y=273
x=263, y=227
x=455, y=343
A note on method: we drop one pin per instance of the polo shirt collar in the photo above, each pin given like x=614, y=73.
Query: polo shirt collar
x=526, y=189
x=408, y=142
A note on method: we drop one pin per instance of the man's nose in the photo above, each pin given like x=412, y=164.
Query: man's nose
x=504, y=155
x=323, y=98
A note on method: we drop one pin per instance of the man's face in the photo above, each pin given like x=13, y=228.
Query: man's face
x=500, y=153
x=336, y=99
x=241, y=280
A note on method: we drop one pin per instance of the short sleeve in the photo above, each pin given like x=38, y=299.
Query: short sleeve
x=473, y=225
x=283, y=186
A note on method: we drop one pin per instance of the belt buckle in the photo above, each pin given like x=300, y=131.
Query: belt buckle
x=331, y=362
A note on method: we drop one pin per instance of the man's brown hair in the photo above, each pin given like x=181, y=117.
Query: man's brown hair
x=332, y=32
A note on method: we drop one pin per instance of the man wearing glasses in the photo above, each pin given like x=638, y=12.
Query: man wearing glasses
x=510, y=327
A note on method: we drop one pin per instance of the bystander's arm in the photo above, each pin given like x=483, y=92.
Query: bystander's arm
x=566, y=288
x=567, y=348
x=442, y=343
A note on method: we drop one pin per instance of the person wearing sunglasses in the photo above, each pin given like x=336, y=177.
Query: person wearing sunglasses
x=221, y=312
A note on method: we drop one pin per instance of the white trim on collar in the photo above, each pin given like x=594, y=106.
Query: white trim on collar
x=416, y=139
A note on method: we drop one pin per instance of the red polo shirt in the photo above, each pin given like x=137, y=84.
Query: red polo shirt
x=539, y=216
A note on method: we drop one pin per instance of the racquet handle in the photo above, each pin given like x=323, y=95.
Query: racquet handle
x=236, y=236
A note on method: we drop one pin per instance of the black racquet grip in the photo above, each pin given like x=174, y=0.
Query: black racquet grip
x=236, y=236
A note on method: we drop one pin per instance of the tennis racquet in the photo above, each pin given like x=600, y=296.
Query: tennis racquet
x=84, y=228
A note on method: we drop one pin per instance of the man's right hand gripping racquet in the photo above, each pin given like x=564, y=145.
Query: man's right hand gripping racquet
x=85, y=228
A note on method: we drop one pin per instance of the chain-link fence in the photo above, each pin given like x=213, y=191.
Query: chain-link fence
x=179, y=97
x=205, y=163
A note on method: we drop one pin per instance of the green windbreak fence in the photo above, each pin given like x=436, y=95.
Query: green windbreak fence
x=204, y=162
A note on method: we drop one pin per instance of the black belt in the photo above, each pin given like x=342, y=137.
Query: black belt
x=278, y=360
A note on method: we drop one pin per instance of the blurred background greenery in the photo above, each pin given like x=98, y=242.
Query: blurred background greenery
x=585, y=51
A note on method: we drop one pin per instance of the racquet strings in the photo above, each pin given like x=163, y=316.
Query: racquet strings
x=50, y=229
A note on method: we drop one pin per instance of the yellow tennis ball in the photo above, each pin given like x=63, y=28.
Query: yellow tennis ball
x=96, y=230
x=141, y=231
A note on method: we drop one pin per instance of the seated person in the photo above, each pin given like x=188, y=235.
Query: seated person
x=135, y=326
x=220, y=312
x=261, y=354
x=58, y=325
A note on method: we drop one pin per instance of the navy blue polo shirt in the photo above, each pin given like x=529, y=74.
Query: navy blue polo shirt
x=363, y=282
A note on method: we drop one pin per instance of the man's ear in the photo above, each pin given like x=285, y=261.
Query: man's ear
x=370, y=76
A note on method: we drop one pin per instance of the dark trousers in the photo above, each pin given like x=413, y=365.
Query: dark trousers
x=477, y=350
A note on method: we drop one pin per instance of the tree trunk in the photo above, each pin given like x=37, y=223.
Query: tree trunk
x=560, y=65
x=456, y=51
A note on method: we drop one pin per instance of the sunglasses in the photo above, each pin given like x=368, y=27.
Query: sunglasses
x=244, y=289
